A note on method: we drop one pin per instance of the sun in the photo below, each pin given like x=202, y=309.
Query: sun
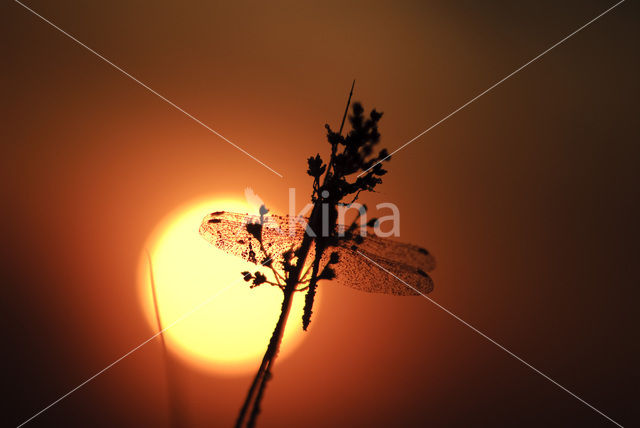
x=221, y=325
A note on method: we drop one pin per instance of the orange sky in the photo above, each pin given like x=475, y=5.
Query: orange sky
x=528, y=198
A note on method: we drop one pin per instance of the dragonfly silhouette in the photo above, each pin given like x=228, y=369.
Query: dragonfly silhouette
x=299, y=257
x=231, y=233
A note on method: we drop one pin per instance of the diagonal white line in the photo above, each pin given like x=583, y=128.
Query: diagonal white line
x=180, y=319
x=150, y=90
x=492, y=341
x=540, y=55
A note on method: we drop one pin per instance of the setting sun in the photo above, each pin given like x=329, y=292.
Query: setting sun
x=229, y=331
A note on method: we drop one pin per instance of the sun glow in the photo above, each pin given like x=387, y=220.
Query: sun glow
x=229, y=329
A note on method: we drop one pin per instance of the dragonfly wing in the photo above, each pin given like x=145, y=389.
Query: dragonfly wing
x=228, y=232
x=395, y=251
x=368, y=264
x=378, y=265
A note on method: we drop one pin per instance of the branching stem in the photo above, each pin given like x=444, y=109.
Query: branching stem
x=263, y=375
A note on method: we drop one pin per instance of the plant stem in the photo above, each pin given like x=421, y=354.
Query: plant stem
x=263, y=375
x=344, y=117
x=173, y=397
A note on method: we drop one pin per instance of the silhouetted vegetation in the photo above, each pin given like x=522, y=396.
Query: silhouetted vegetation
x=334, y=183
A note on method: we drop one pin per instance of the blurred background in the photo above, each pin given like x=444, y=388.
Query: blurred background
x=528, y=198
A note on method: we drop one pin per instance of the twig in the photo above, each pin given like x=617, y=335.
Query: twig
x=173, y=396
x=334, y=147
x=260, y=380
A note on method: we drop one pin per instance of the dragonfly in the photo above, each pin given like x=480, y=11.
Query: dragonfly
x=227, y=231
